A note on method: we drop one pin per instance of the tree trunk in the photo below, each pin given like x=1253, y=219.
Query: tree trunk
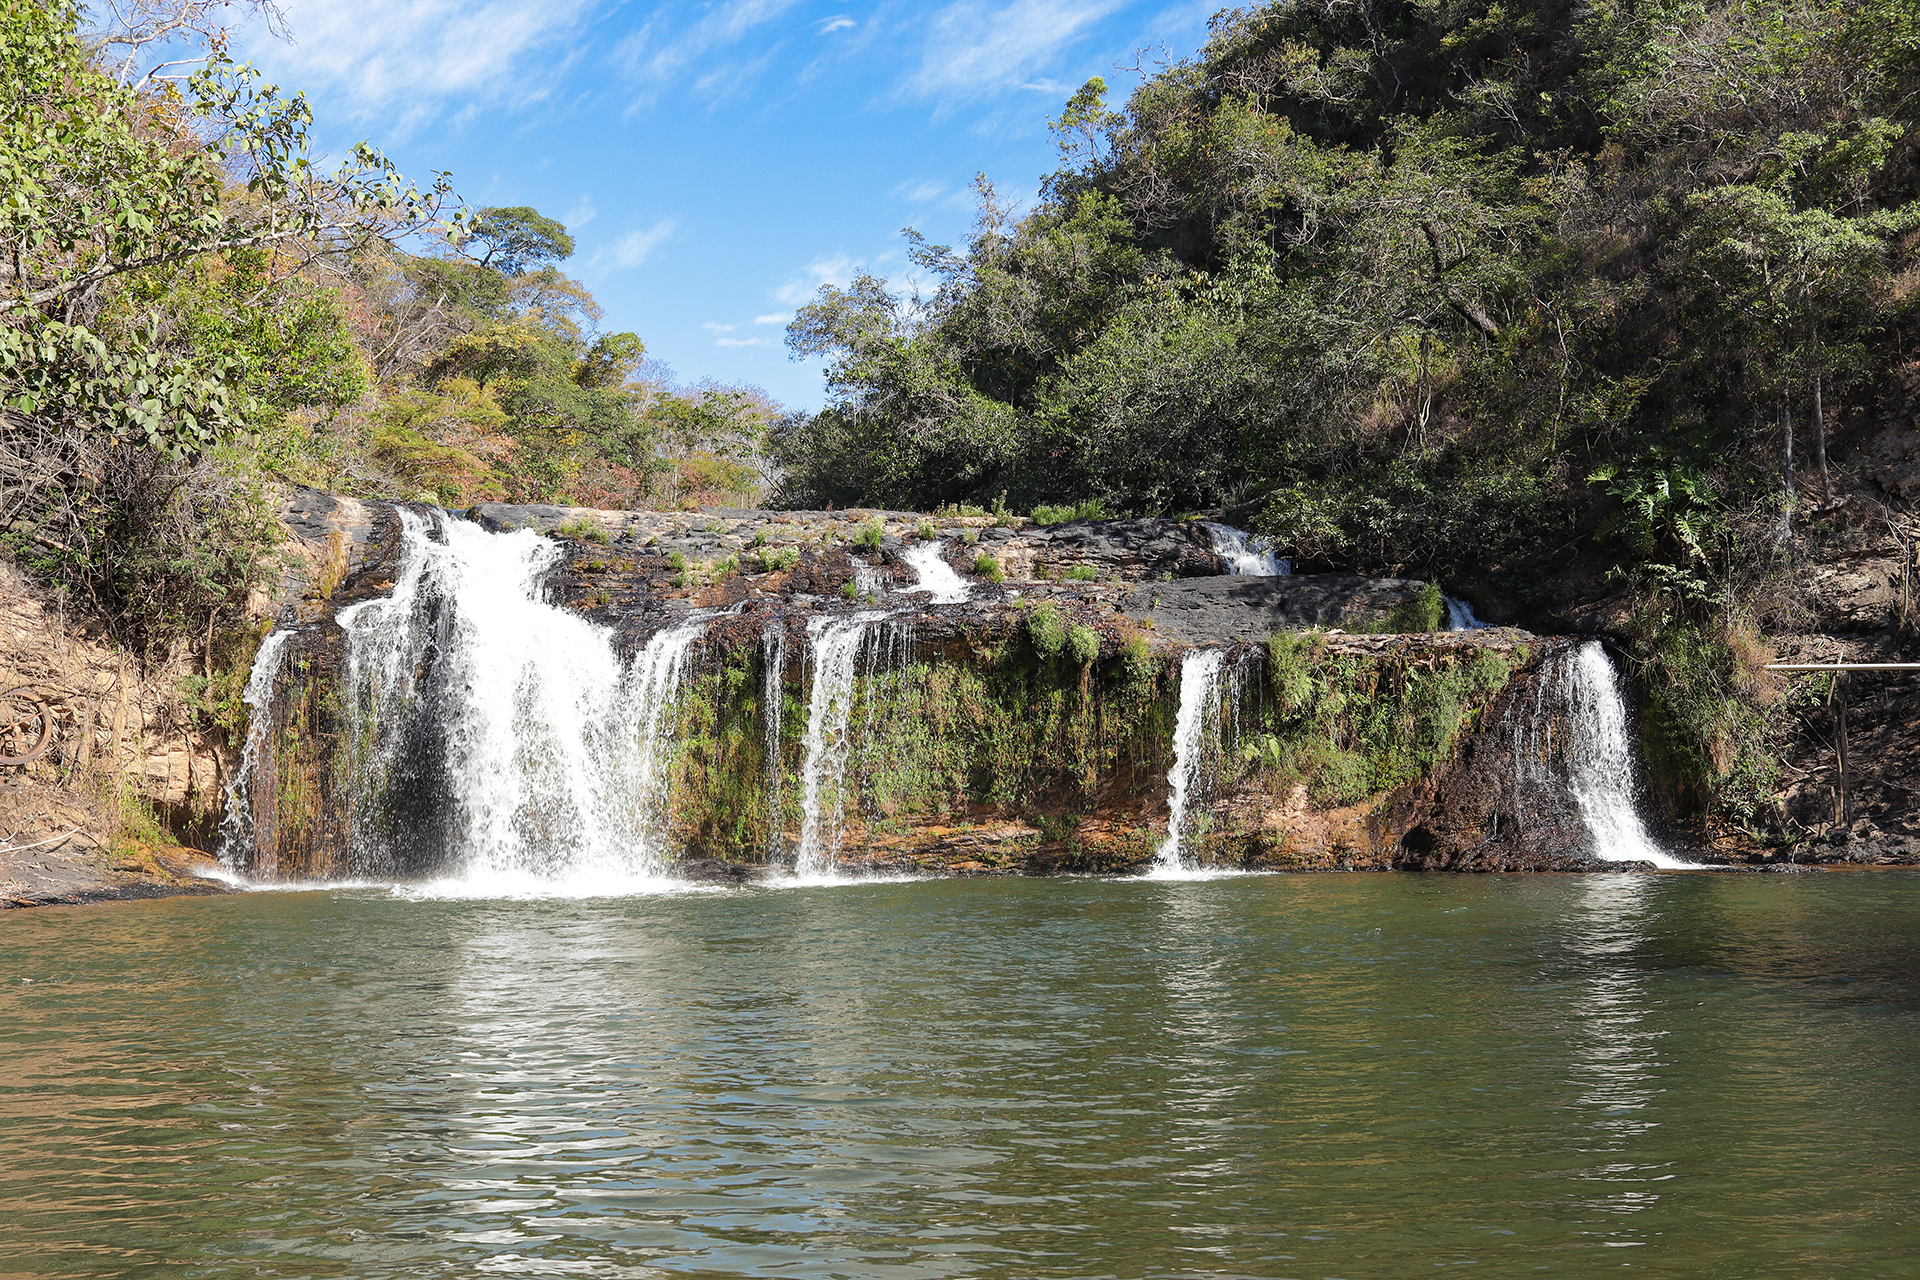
x=1820, y=421
x=1786, y=462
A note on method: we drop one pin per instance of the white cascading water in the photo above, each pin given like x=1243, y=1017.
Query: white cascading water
x=1245, y=553
x=933, y=575
x=554, y=751
x=1460, y=616
x=773, y=654
x=835, y=645
x=868, y=581
x=1199, y=710
x=1599, y=752
x=237, y=827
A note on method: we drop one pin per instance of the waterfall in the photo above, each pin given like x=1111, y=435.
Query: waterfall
x=1599, y=755
x=1244, y=553
x=835, y=645
x=1460, y=615
x=495, y=737
x=1199, y=712
x=933, y=574
x=867, y=578
x=237, y=826
x=773, y=656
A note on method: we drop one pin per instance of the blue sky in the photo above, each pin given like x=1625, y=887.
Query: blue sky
x=718, y=161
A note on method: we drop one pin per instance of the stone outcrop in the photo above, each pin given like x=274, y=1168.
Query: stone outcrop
x=123, y=736
x=1223, y=610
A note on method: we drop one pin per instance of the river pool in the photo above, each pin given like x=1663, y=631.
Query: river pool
x=1310, y=1076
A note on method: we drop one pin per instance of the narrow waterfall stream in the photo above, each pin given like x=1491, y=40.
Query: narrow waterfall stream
x=773, y=689
x=933, y=575
x=1460, y=615
x=1193, y=729
x=1600, y=766
x=237, y=825
x=1245, y=553
x=835, y=645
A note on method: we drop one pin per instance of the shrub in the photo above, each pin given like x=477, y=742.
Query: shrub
x=926, y=531
x=1091, y=509
x=870, y=533
x=1287, y=675
x=676, y=561
x=986, y=566
x=851, y=590
x=1047, y=629
x=582, y=529
x=780, y=559
x=1136, y=659
x=1083, y=644
x=1082, y=573
x=1421, y=614
x=969, y=535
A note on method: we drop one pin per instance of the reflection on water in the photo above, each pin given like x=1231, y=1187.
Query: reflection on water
x=1348, y=1076
x=1614, y=1062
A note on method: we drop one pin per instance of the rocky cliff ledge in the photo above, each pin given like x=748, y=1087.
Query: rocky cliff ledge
x=1025, y=730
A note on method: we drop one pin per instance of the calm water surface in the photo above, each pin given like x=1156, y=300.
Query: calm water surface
x=1360, y=1076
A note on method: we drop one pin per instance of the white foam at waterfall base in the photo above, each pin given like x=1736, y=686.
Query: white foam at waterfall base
x=1244, y=553
x=1600, y=762
x=933, y=575
x=1193, y=729
x=555, y=748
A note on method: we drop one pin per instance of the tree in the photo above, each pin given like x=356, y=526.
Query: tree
x=99, y=183
x=517, y=239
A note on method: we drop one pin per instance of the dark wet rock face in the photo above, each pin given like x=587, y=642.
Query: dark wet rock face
x=1218, y=610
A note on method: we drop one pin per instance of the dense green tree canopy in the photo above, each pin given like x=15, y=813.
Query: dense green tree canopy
x=1403, y=273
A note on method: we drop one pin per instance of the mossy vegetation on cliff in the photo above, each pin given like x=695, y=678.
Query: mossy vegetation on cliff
x=1019, y=730
x=1348, y=725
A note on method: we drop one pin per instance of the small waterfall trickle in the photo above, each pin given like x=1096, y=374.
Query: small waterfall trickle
x=773, y=677
x=868, y=580
x=835, y=645
x=237, y=826
x=1460, y=616
x=1197, y=719
x=932, y=574
x=1245, y=553
x=1599, y=755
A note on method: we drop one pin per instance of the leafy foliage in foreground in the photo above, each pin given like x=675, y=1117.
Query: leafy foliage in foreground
x=191, y=310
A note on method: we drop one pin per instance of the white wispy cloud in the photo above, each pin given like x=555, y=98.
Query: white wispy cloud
x=838, y=22
x=976, y=49
x=714, y=326
x=740, y=342
x=920, y=190
x=777, y=317
x=635, y=247
x=581, y=214
x=406, y=61
x=658, y=54
x=837, y=270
